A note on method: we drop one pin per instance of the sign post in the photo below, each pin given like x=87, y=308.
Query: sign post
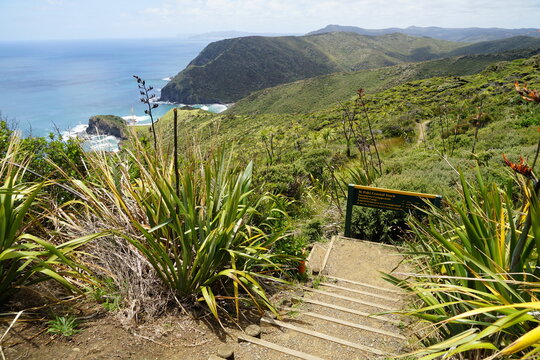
x=385, y=199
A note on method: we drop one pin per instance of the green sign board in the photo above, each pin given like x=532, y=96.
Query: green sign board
x=385, y=199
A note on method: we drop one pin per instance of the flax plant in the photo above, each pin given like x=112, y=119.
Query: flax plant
x=466, y=287
x=205, y=232
x=27, y=259
x=480, y=269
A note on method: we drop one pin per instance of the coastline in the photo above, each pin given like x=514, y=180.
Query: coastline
x=108, y=142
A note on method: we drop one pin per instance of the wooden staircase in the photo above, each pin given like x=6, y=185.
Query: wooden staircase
x=340, y=318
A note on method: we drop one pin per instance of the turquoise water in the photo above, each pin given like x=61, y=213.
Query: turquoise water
x=59, y=85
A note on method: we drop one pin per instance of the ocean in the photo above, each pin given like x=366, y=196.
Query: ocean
x=51, y=86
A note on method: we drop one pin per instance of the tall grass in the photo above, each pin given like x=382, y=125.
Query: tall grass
x=25, y=258
x=206, y=233
x=481, y=307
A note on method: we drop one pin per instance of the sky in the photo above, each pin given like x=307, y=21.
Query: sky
x=98, y=19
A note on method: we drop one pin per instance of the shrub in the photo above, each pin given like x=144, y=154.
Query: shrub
x=528, y=121
x=47, y=155
x=285, y=179
x=289, y=252
x=312, y=230
x=25, y=258
x=5, y=136
x=314, y=162
x=203, y=232
x=477, y=283
x=378, y=225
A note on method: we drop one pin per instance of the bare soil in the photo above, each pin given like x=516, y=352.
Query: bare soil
x=169, y=337
x=422, y=129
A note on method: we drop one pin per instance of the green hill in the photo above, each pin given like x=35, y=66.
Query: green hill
x=489, y=47
x=228, y=70
x=448, y=103
x=319, y=92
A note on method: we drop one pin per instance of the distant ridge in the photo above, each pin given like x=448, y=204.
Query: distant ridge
x=220, y=35
x=451, y=34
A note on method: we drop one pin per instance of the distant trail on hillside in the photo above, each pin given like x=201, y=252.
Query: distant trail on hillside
x=422, y=131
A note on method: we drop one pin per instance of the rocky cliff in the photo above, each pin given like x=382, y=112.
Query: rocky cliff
x=107, y=125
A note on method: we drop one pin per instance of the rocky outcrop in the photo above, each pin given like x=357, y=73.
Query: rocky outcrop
x=107, y=125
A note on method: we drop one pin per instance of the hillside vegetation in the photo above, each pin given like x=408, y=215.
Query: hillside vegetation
x=496, y=46
x=320, y=92
x=449, y=104
x=228, y=70
x=441, y=135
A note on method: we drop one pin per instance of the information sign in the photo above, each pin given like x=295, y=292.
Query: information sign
x=385, y=199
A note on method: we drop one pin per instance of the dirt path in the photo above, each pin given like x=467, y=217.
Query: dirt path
x=422, y=128
x=334, y=320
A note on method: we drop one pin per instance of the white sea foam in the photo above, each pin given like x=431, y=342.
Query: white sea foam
x=102, y=143
x=132, y=119
x=168, y=103
x=217, y=108
x=77, y=131
x=92, y=142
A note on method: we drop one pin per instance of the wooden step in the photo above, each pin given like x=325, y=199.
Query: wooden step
x=347, y=323
x=323, y=336
x=364, y=284
x=351, y=311
x=276, y=347
x=327, y=255
x=387, y=297
x=316, y=257
x=377, y=243
x=358, y=301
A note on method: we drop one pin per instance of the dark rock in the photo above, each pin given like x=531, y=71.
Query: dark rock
x=107, y=125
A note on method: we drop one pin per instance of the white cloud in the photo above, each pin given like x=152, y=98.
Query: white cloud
x=51, y=18
x=305, y=15
x=162, y=12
